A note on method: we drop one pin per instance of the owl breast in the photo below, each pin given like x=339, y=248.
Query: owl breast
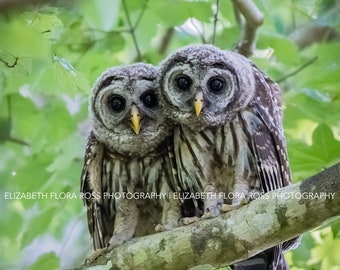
x=219, y=156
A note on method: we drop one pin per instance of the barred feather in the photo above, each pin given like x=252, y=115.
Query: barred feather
x=236, y=144
x=110, y=173
x=127, y=153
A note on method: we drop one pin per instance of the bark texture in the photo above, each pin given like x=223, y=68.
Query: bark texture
x=276, y=216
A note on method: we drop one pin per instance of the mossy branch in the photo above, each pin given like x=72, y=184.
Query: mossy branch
x=277, y=216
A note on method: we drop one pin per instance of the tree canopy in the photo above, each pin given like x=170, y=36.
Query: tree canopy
x=51, y=54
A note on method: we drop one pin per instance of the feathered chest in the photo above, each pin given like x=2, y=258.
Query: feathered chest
x=215, y=156
x=134, y=174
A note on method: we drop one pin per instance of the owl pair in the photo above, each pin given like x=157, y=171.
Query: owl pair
x=205, y=120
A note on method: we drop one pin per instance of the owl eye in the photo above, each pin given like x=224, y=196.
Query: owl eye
x=117, y=103
x=183, y=82
x=149, y=99
x=216, y=84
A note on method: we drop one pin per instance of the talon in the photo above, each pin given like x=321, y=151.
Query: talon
x=159, y=228
x=207, y=215
x=95, y=255
x=244, y=201
x=229, y=207
x=189, y=220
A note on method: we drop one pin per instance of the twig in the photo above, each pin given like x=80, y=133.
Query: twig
x=132, y=30
x=166, y=41
x=141, y=14
x=297, y=70
x=6, y=135
x=14, y=140
x=197, y=28
x=215, y=20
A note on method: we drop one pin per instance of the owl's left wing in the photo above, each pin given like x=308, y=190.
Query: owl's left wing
x=268, y=141
x=99, y=221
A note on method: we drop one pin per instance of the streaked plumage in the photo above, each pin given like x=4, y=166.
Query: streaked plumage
x=127, y=153
x=229, y=136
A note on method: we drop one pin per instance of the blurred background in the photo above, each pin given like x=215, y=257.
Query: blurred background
x=50, y=55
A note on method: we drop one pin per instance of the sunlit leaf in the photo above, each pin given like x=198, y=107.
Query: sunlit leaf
x=324, y=152
x=38, y=225
x=49, y=25
x=284, y=50
x=200, y=10
x=101, y=14
x=46, y=261
x=22, y=40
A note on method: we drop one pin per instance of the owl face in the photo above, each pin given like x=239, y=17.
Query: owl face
x=204, y=86
x=125, y=110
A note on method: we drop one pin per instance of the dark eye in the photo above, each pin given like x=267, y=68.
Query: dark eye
x=117, y=103
x=149, y=99
x=216, y=84
x=183, y=82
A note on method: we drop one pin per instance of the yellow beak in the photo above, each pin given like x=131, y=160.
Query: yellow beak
x=135, y=119
x=198, y=104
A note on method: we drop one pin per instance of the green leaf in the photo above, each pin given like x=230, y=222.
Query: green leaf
x=49, y=25
x=307, y=159
x=46, y=261
x=324, y=144
x=335, y=227
x=101, y=14
x=38, y=225
x=323, y=74
x=200, y=10
x=302, y=254
x=33, y=176
x=311, y=104
x=70, y=149
x=5, y=129
x=31, y=43
x=285, y=50
x=327, y=250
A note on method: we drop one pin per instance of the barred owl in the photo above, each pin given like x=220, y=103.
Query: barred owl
x=229, y=139
x=126, y=153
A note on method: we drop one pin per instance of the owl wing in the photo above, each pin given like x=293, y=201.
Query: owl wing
x=100, y=220
x=268, y=139
x=269, y=144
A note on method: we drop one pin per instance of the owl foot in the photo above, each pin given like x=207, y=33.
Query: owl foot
x=189, y=220
x=206, y=215
x=96, y=254
x=159, y=228
x=116, y=241
x=212, y=211
x=229, y=207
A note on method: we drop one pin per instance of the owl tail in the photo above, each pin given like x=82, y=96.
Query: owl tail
x=270, y=259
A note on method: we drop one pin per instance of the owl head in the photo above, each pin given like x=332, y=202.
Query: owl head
x=204, y=86
x=125, y=110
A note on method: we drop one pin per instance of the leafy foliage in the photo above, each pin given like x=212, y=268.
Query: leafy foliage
x=49, y=58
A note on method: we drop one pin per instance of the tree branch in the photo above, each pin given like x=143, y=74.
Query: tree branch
x=215, y=20
x=133, y=27
x=166, y=39
x=275, y=217
x=254, y=18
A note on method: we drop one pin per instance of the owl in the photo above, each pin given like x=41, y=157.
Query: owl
x=126, y=158
x=229, y=141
